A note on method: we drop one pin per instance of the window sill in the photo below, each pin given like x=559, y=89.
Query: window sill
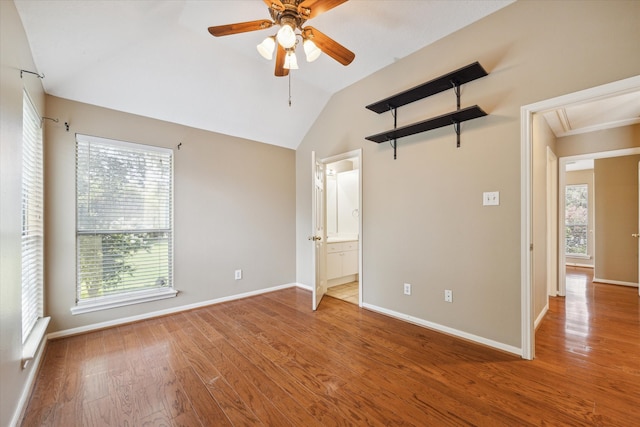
x=122, y=300
x=578, y=256
x=30, y=346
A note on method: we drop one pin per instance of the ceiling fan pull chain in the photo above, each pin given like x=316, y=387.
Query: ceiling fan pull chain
x=289, y=89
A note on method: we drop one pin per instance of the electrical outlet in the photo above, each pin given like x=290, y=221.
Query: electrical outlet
x=448, y=295
x=407, y=289
x=238, y=274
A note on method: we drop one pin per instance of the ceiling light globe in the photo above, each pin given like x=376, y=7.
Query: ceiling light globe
x=266, y=47
x=311, y=50
x=286, y=36
x=290, y=61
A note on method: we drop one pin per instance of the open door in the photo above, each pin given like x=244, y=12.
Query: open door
x=318, y=236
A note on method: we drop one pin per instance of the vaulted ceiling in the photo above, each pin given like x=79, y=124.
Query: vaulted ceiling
x=156, y=58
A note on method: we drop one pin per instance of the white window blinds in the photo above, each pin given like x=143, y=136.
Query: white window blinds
x=124, y=218
x=32, y=217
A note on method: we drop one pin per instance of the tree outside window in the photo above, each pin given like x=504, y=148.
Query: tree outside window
x=576, y=219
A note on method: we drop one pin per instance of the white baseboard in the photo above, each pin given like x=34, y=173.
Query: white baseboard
x=541, y=316
x=122, y=321
x=445, y=329
x=306, y=287
x=342, y=280
x=615, y=282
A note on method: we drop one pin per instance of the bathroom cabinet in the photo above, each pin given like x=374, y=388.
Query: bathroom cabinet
x=342, y=259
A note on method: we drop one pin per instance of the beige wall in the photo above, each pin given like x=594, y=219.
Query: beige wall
x=616, y=212
x=234, y=208
x=584, y=177
x=543, y=138
x=423, y=219
x=603, y=140
x=15, y=55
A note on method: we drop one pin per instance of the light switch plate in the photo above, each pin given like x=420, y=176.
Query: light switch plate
x=491, y=198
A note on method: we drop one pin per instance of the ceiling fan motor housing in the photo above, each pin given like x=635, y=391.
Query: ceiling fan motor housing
x=288, y=16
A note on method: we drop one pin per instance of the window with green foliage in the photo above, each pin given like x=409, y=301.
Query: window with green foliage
x=576, y=219
x=124, y=219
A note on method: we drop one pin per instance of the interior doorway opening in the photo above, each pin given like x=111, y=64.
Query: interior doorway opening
x=529, y=314
x=342, y=215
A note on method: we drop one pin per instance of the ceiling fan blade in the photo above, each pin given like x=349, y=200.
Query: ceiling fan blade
x=312, y=8
x=280, y=54
x=275, y=5
x=240, y=27
x=329, y=46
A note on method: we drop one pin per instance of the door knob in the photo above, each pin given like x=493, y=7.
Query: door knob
x=635, y=235
x=314, y=238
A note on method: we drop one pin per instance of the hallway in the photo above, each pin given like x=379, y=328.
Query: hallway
x=596, y=328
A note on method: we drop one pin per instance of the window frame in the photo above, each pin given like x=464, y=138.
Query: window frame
x=130, y=297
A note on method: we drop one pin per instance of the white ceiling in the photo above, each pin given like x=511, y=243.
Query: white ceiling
x=604, y=113
x=156, y=58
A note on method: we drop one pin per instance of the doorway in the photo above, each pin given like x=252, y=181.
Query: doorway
x=564, y=167
x=342, y=214
x=528, y=312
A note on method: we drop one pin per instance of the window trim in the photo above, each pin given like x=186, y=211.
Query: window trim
x=131, y=297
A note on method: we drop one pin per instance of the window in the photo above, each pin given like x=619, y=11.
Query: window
x=124, y=228
x=576, y=219
x=32, y=220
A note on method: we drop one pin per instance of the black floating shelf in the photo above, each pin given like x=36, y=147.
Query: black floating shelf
x=452, y=118
x=455, y=78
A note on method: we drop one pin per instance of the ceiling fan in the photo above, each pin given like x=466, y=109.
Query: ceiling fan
x=290, y=15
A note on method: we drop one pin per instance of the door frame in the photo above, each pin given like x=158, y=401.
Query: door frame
x=562, y=184
x=345, y=156
x=526, y=178
x=552, y=224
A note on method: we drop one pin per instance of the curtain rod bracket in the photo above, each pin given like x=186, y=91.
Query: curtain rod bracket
x=48, y=118
x=40, y=76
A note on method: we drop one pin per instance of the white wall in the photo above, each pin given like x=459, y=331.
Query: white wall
x=15, y=55
x=423, y=220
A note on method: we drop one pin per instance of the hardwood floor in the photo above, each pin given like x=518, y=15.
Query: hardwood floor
x=270, y=360
x=347, y=292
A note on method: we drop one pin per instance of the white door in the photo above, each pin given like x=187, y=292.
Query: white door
x=637, y=236
x=318, y=236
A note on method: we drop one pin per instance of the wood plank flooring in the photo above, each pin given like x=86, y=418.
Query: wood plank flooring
x=269, y=360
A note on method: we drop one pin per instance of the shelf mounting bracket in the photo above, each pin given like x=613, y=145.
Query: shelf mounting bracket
x=394, y=144
x=456, y=125
x=456, y=128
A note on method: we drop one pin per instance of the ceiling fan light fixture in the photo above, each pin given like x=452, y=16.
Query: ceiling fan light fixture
x=311, y=50
x=290, y=61
x=267, y=47
x=286, y=36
